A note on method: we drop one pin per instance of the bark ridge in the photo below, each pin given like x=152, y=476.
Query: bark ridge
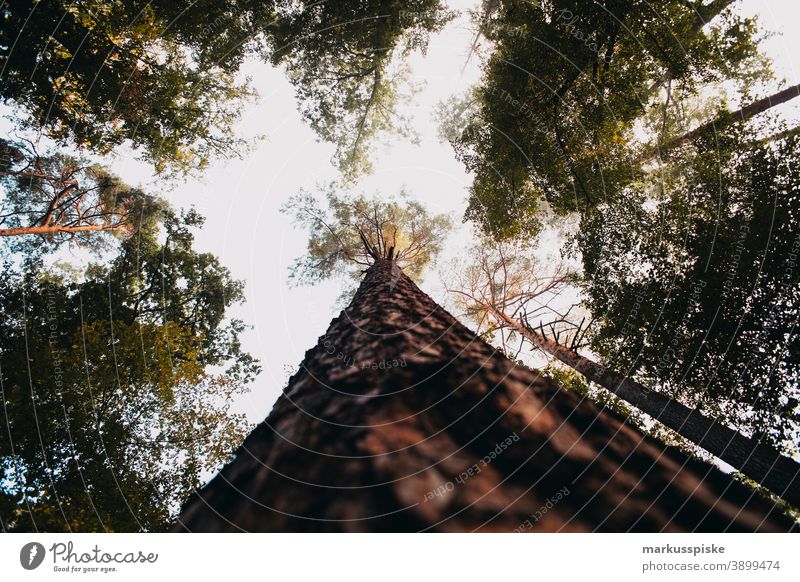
x=402, y=419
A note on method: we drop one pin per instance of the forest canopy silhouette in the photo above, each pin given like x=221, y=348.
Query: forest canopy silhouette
x=616, y=299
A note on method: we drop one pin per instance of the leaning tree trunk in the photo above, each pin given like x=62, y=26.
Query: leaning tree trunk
x=757, y=461
x=747, y=112
x=401, y=419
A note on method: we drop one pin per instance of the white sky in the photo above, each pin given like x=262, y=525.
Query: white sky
x=241, y=198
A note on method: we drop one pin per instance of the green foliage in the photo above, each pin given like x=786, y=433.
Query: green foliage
x=342, y=57
x=562, y=92
x=159, y=277
x=163, y=76
x=59, y=191
x=696, y=284
x=355, y=230
x=117, y=387
x=573, y=381
x=157, y=74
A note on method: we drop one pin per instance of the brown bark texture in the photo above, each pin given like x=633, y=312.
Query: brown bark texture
x=401, y=419
x=758, y=461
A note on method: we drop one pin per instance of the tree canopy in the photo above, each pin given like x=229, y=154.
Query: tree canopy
x=53, y=198
x=165, y=77
x=567, y=84
x=158, y=75
x=118, y=382
x=355, y=230
x=696, y=287
x=117, y=386
x=345, y=58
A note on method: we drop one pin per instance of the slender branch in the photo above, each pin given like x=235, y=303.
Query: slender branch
x=56, y=229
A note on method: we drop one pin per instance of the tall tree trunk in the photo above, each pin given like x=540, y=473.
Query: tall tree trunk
x=747, y=112
x=401, y=419
x=760, y=462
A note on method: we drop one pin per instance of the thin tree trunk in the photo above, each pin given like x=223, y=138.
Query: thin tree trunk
x=55, y=229
x=743, y=114
x=709, y=12
x=757, y=461
x=401, y=419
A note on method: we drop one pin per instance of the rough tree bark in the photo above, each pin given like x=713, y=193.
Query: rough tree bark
x=401, y=419
x=757, y=461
